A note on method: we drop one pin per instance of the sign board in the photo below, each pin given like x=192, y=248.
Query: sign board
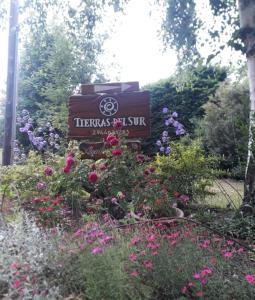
x=94, y=150
x=115, y=87
x=93, y=115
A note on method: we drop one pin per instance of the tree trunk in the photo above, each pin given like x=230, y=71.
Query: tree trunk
x=247, y=33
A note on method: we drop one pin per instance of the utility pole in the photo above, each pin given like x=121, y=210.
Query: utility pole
x=11, y=91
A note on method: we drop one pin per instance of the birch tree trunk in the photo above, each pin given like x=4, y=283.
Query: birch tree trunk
x=247, y=32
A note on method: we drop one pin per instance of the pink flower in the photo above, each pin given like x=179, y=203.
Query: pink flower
x=173, y=235
x=190, y=284
x=204, y=281
x=196, y=276
x=154, y=253
x=153, y=246
x=230, y=242
x=48, y=171
x=78, y=232
x=199, y=294
x=184, y=198
x=227, y=254
x=140, y=157
x=184, y=290
x=114, y=200
x=147, y=264
x=132, y=257
x=92, y=177
x=16, y=284
x=40, y=185
x=151, y=238
x=205, y=244
x=102, y=167
x=250, y=279
x=135, y=240
x=134, y=274
x=14, y=266
x=206, y=271
x=96, y=250
x=240, y=250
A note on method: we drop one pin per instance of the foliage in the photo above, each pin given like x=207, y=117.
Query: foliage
x=187, y=168
x=25, y=254
x=183, y=17
x=180, y=26
x=154, y=262
x=199, y=84
x=225, y=126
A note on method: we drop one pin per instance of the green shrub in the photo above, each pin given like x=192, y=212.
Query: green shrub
x=224, y=129
x=188, y=169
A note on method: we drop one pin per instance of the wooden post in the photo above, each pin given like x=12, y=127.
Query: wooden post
x=11, y=91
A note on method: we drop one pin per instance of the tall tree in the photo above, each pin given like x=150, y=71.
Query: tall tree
x=181, y=25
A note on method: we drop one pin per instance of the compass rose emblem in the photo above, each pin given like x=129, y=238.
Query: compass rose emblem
x=108, y=106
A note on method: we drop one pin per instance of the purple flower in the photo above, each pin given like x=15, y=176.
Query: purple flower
x=51, y=129
x=165, y=110
x=167, y=122
x=158, y=143
x=170, y=120
x=174, y=114
x=22, y=129
x=165, y=133
x=168, y=150
x=176, y=124
x=162, y=149
x=180, y=131
x=164, y=139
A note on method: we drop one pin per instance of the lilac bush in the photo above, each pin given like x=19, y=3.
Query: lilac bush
x=170, y=119
x=43, y=138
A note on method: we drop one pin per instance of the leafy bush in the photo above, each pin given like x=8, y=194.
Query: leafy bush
x=225, y=127
x=187, y=168
x=26, y=252
x=200, y=82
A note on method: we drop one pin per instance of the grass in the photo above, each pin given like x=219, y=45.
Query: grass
x=225, y=193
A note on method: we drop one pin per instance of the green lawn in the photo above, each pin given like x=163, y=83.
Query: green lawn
x=225, y=192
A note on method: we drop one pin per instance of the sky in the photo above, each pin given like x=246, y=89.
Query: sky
x=134, y=47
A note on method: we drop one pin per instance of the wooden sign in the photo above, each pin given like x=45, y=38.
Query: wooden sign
x=94, y=150
x=109, y=88
x=93, y=115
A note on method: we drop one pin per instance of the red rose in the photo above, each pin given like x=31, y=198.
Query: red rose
x=117, y=124
x=93, y=177
x=69, y=161
x=116, y=152
x=112, y=140
x=67, y=169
